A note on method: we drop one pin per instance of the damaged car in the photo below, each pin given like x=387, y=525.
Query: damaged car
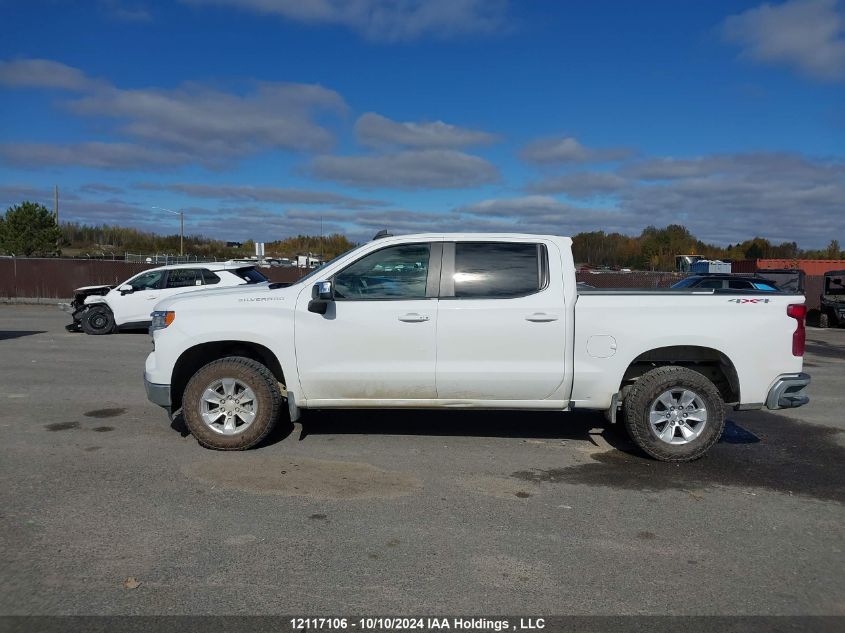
x=127, y=306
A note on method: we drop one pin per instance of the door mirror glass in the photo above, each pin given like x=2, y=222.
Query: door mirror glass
x=323, y=291
x=322, y=294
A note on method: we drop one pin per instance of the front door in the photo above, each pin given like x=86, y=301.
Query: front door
x=377, y=339
x=501, y=324
x=136, y=306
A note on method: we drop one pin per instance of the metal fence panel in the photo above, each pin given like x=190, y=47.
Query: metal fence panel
x=25, y=278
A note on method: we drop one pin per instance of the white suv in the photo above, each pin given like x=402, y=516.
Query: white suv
x=106, y=309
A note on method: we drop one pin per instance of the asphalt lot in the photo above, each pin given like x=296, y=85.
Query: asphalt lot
x=397, y=513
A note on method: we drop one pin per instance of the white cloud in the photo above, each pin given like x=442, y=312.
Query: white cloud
x=375, y=130
x=216, y=126
x=545, y=214
x=193, y=123
x=279, y=195
x=120, y=11
x=94, y=154
x=569, y=150
x=729, y=197
x=15, y=194
x=410, y=169
x=581, y=184
x=44, y=73
x=808, y=35
x=385, y=20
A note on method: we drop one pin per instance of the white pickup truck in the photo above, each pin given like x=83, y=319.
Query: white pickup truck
x=474, y=321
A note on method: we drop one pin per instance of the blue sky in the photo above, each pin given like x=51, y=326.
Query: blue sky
x=262, y=118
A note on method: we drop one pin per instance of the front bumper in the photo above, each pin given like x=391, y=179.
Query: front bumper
x=157, y=394
x=788, y=391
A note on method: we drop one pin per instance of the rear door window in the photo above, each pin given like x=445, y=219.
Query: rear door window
x=710, y=283
x=498, y=270
x=740, y=284
x=184, y=278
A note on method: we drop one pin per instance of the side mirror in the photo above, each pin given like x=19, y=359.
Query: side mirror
x=126, y=289
x=322, y=293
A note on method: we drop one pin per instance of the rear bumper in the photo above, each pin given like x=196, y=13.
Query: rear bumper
x=157, y=394
x=788, y=392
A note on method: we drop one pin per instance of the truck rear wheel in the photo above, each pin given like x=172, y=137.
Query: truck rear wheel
x=231, y=404
x=99, y=320
x=674, y=414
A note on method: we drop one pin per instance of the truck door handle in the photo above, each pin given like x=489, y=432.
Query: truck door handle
x=414, y=317
x=151, y=297
x=541, y=317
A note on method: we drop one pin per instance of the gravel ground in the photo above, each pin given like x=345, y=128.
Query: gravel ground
x=400, y=512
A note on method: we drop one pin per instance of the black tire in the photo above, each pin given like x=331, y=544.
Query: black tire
x=643, y=394
x=824, y=320
x=252, y=374
x=99, y=320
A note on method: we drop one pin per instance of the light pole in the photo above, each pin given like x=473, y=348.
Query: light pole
x=181, y=215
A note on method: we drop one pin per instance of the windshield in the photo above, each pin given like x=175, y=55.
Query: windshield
x=835, y=285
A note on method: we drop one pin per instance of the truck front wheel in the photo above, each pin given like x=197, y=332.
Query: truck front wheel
x=231, y=404
x=674, y=414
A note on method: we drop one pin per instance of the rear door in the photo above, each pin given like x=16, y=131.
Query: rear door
x=501, y=321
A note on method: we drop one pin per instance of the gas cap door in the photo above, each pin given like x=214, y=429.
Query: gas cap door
x=601, y=346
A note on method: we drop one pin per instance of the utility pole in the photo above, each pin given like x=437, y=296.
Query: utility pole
x=56, y=212
x=321, y=239
x=181, y=215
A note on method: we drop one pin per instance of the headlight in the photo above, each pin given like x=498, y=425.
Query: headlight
x=161, y=320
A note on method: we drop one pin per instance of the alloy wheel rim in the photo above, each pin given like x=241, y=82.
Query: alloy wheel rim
x=228, y=406
x=678, y=416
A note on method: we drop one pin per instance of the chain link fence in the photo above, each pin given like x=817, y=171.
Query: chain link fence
x=165, y=259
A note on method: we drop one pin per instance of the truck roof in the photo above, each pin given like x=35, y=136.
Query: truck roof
x=477, y=236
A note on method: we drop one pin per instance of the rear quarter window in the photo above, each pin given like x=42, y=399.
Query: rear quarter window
x=209, y=277
x=250, y=275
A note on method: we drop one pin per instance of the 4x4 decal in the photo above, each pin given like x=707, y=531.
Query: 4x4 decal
x=748, y=300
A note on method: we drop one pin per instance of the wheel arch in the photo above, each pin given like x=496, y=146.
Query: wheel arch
x=712, y=363
x=203, y=353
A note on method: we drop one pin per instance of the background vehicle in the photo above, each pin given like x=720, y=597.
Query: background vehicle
x=732, y=282
x=475, y=321
x=105, y=309
x=832, y=303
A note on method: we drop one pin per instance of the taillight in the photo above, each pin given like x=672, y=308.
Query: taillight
x=798, y=311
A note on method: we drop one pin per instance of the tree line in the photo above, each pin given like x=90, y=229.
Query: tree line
x=656, y=248
x=30, y=229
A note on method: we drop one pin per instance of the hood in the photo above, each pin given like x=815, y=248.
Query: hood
x=83, y=289
x=231, y=297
